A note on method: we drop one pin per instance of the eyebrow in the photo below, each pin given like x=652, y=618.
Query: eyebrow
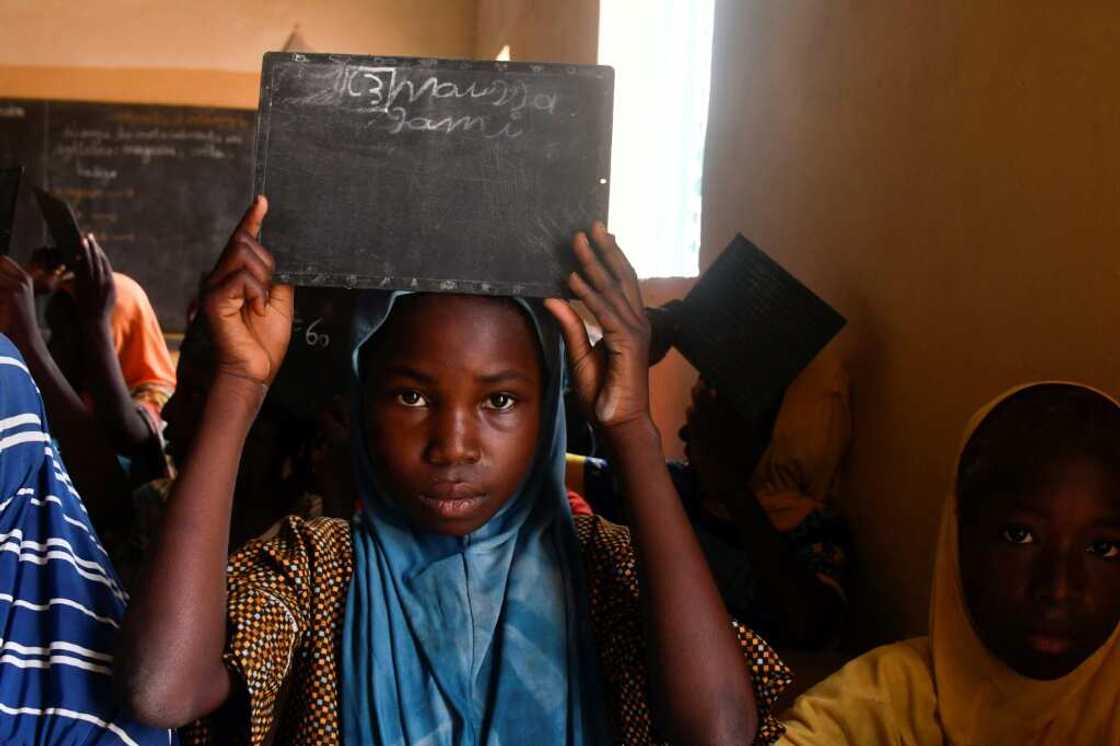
x=406, y=372
x=500, y=376
x=1110, y=522
x=505, y=375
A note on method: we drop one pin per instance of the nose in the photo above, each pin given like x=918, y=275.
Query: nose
x=453, y=438
x=1060, y=575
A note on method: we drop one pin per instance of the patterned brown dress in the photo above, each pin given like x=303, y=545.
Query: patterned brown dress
x=287, y=598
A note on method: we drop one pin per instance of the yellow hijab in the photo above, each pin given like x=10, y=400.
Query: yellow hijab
x=980, y=699
x=948, y=689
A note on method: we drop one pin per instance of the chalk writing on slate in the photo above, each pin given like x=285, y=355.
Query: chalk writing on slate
x=750, y=327
x=432, y=175
x=160, y=186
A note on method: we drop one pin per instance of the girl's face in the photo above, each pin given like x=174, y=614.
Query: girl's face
x=453, y=389
x=1041, y=570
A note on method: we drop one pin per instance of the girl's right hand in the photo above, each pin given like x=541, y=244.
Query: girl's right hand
x=250, y=318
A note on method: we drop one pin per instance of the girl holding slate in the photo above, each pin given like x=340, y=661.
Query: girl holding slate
x=464, y=604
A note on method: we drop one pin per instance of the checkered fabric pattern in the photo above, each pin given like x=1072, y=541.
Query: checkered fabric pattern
x=287, y=599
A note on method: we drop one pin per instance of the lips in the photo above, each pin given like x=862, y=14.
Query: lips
x=1049, y=644
x=1051, y=637
x=452, y=490
x=452, y=500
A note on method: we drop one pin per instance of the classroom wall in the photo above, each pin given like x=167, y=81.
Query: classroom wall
x=568, y=31
x=205, y=52
x=948, y=174
x=539, y=30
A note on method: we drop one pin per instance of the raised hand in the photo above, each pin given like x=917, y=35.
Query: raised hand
x=250, y=317
x=611, y=378
x=17, y=305
x=94, y=290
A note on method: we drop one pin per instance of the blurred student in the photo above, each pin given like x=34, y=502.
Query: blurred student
x=60, y=600
x=89, y=455
x=757, y=494
x=1024, y=642
x=107, y=341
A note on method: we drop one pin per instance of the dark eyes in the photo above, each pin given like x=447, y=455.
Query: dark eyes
x=1108, y=550
x=411, y=399
x=1104, y=549
x=499, y=402
x=1018, y=535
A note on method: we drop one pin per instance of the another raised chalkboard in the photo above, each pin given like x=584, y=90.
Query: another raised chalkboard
x=9, y=191
x=750, y=327
x=431, y=175
x=160, y=186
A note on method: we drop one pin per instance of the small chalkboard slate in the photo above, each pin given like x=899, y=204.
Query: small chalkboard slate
x=9, y=191
x=750, y=327
x=431, y=175
x=63, y=226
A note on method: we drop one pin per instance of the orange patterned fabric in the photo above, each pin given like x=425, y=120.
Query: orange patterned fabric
x=138, y=338
x=287, y=598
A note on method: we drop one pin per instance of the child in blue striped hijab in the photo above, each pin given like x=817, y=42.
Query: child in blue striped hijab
x=60, y=600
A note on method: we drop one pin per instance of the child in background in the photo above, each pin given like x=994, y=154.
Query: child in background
x=105, y=372
x=60, y=601
x=1024, y=643
x=107, y=341
x=463, y=605
x=89, y=456
x=757, y=494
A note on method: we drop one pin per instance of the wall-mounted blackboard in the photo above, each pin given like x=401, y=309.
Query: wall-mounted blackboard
x=160, y=186
x=435, y=175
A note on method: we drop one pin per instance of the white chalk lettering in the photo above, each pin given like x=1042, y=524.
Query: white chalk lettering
x=490, y=109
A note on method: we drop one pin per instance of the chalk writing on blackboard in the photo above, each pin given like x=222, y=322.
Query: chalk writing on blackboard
x=308, y=331
x=159, y=186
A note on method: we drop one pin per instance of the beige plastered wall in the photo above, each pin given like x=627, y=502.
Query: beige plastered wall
x=947, y=174
x=205, y=52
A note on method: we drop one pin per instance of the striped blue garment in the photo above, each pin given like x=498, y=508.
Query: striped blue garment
x=60, y=600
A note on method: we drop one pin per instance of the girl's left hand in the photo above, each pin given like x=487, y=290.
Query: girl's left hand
x=94, y=288
x=611, y=379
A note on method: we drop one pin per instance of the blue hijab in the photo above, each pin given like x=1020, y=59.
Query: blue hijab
x=481, y=640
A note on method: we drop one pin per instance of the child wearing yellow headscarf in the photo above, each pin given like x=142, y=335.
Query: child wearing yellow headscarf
x=1024, y=644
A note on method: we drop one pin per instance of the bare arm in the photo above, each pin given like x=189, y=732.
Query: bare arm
x=90, y=461
x=112, y=404
x=699, y=678
x=170, y=660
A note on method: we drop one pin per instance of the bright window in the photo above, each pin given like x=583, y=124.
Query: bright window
x=661, y=51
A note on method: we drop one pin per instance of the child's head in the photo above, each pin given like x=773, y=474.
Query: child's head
x=715, y=429
x=453, y=388
x=1038, y=487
